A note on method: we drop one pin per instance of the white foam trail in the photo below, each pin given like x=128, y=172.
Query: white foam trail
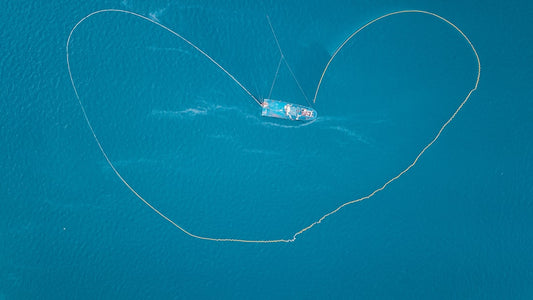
x=203, y=109
x=170, y=49
x=349, y=133
x=155, y=15
x=273, y=124
x=187, y=113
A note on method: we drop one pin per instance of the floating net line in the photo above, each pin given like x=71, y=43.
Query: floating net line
x=313, y=224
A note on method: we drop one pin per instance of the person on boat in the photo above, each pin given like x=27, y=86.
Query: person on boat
x=307, y=113
x=287, y=109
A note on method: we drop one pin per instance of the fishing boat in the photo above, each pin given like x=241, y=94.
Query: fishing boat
x=285, y=110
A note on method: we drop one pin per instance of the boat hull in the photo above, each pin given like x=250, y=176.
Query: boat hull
x=285, y=110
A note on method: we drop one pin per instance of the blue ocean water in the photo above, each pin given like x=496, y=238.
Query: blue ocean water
x=192, y=143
